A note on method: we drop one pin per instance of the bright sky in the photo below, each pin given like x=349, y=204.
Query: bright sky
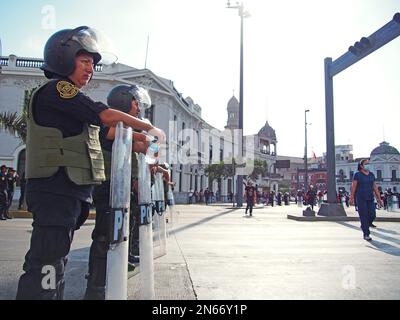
x=196, y=45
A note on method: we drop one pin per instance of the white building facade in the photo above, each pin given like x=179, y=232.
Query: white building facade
x=384, y=164
x=191, y=145
x=170, y=111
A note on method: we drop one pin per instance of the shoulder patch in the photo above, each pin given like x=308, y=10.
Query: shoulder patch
x=66, y=89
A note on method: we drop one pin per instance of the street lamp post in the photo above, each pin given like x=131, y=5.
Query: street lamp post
x=305, y=152
x=239, y=185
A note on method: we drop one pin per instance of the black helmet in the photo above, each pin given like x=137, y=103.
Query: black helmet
x=63, y=46
x=121, y=97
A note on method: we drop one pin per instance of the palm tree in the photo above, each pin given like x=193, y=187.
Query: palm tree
x=15, y=123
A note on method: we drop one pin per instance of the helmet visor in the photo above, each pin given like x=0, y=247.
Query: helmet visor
x=142, y=96
x=94, y=41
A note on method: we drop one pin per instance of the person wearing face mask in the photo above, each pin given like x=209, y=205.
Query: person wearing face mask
x=363, y=190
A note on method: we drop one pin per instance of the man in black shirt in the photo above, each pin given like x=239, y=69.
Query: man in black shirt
x=250, y=194
x=64, y=158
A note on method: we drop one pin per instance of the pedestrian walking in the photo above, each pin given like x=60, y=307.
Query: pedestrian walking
x=251, y=197
x=363, y=190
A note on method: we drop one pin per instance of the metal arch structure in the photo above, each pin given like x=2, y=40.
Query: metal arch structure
x=356, y=52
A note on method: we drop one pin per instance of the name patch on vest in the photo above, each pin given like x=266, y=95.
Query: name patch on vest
x=66, y=90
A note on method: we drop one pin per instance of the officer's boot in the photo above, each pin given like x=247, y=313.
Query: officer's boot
x=94, y=293
x=96, y=278
x=7, y=213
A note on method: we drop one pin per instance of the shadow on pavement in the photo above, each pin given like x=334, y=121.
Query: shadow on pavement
x=192, y=225
x=384, y=247
x=387, y=231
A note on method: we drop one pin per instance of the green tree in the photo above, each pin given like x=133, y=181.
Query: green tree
x=214, y=171
x=260, y=167
x=15, y=122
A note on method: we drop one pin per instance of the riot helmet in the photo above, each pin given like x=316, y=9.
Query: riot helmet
x=63, y=46
x=121, y=97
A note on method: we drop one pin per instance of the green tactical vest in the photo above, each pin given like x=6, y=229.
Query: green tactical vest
x=107, y=164
x=47, y=151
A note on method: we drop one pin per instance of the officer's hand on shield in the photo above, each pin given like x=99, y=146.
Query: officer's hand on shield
x=140, y=146
x=137, y=136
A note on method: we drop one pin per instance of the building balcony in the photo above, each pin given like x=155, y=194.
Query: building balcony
x=15, y=62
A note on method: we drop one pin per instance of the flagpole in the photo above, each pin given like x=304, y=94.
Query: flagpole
x=147, y=51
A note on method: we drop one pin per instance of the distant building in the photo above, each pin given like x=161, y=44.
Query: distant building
x=262, y=145
x=384, y=164
x=170, y=111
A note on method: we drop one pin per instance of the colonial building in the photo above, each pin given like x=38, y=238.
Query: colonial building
x=192, y=143
x=261, y=146
x=384, y=164
x=170, y=111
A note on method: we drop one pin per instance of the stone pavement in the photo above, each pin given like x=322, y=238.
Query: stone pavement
x=216, y=252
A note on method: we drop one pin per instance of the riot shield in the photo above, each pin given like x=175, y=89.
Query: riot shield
x=145, y=230
x=160, y=233
x=120, y=187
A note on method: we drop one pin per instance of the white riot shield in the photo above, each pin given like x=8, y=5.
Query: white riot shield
x=160, y=232
x=145, y=230
x=120, y=193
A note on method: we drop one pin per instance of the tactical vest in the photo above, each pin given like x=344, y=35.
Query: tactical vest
x=47, y=151
x=107, y=164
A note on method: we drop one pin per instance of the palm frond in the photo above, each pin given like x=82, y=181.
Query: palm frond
x=16, y=123
x=13, y=123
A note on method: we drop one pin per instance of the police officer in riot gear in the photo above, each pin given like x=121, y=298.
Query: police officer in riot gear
x=131, y=100
x=3, y=192
x=64, y=158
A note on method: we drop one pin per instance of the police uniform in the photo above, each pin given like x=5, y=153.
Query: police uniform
x=96, y=278
x=119, y=98
x=3, y=195
x=134, y=218
x=64, y=160
x=11, y=180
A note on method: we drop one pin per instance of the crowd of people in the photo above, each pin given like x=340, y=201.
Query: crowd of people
x=203, y=196
x=313, y=197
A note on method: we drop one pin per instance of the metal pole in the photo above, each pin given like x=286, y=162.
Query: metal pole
x=330, y=133
x=305, y=151
x=240, y=177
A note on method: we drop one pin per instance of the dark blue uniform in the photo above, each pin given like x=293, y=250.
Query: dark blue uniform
x=365, y=199
x=59, y=206
x=3, y=195
x=98, y=250
x=100, y=235
x=11, y=180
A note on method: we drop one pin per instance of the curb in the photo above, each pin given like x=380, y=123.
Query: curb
x=322, y=218
x=23, y=214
